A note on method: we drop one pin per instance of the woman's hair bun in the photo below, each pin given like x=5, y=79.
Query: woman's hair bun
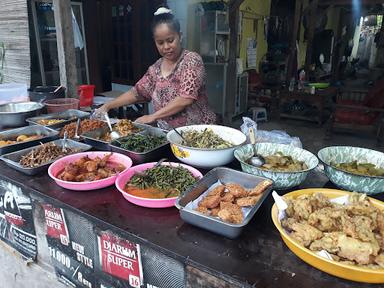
x=165, y=15
x=162, y=10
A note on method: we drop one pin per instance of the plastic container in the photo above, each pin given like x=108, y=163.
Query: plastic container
x=86, y=93
x=61, y=104
x=13, y=92
x=43, y=93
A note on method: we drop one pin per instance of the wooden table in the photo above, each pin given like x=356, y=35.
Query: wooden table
x=319, y=100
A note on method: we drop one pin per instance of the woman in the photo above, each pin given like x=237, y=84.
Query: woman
x=174, y=84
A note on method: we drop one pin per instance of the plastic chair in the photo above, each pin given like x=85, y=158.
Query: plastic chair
x=259, y=114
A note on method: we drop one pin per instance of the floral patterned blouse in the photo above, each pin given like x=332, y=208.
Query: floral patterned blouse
x=186, y=80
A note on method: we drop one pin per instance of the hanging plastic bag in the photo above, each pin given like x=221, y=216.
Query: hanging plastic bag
x=274, y=136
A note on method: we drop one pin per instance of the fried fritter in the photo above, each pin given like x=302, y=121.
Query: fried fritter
x=260, y=188
x=236, y=190
x=210, y=201
x=230, y=213
x=219, y=190
x=248, y=201
x=302, y=232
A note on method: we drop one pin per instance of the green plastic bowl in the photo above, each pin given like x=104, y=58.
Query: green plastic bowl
x=350, y=181
x=319, y=85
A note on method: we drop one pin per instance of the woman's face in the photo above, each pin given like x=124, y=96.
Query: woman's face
x=167, y=42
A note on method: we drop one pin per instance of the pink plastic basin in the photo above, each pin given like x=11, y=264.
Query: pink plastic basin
x=56, y=167
x=123, y=178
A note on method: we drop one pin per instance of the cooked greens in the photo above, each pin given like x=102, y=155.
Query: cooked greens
x=283, y=163
x=365, y=169
x=167, y=178
x=204, y=139
x=141, y=143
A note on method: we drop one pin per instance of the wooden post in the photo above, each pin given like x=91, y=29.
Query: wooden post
x=65, y=46
x=292, y=47
x=233, y=13
x=311, y=32
x=336, y=48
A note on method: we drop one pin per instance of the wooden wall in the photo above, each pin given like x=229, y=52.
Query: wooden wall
x=14, y=32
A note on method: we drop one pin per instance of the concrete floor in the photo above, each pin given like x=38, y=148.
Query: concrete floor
x=313, y=137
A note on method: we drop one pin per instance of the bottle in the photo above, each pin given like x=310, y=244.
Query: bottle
x=291, y=85
x=300, y=85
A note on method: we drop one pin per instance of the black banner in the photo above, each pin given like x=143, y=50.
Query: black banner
x=16, y=220
x=84, y=256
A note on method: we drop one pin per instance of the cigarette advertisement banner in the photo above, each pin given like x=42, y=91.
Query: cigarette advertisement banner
x=16, y=220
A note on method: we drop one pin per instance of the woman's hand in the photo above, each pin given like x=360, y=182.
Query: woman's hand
x=146, y=119
x=103, y=109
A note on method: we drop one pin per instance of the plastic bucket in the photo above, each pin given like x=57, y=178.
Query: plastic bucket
x=61, y=104
x=86, y=93
x=13, y=92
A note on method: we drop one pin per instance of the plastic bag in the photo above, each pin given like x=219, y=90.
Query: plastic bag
x=274, y=136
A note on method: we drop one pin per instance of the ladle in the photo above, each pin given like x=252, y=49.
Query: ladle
x=181, y=136
x=114, y=134
x=256, y=160
x=64, y=149
x=77, y=129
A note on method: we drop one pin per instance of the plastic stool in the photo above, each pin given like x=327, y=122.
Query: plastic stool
x=259, y=114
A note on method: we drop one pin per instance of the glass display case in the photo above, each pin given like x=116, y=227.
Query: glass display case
x=214, y=36
x=46, y=42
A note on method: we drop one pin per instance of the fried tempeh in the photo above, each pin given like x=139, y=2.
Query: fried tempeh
x=260, y=188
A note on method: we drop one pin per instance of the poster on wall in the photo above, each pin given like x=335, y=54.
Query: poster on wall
x=16, y=220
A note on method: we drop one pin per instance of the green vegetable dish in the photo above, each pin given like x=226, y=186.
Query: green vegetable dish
x=364, y=169
x=204, y=139
x=172, y=179
x=141, y=143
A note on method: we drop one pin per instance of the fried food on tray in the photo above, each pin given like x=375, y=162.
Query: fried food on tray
x=86, y=169
x=236, y=190
x=226, y=201
x=50, y=121
x=20, y=138
x=351, y=233
x=124, y=127
x=85, y=125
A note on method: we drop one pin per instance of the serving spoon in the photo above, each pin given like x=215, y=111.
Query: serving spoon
x=256, y=159
x=114, y=134
x=64, y=149
x=181, y=136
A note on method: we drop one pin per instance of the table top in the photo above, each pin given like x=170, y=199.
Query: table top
x=258, y=257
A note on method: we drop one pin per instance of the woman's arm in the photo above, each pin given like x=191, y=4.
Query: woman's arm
x=175, y=106
x=127, y=98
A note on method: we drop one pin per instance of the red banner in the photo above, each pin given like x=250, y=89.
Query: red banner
x=120, y=258
x=56, y=226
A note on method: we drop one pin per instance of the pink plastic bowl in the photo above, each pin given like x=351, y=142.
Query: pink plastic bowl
x=56, y=167
x=123, y=178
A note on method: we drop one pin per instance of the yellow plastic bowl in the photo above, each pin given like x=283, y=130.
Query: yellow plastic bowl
x=348, y=272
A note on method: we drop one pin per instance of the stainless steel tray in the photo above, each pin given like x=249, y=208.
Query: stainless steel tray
x=48, y=135
x=70, y=115
x=91, y=138
x=149, y=156
x=214, y=224
x=12, y=159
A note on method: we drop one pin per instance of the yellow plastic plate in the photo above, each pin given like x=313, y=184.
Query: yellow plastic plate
x=345, y=271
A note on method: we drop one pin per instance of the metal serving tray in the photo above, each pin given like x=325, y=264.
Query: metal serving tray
x=70, y=116
x=90, y=137
x=12, y=159
x=49, y=134
x=149, y=156
x=214, y=224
